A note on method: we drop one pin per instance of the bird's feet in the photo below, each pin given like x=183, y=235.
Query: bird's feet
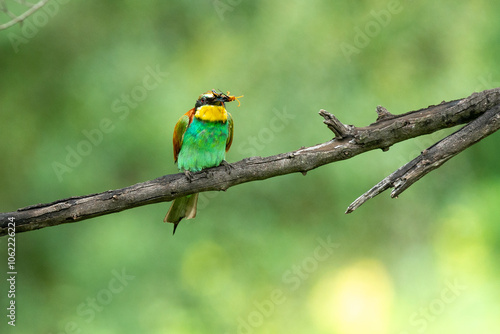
x=227, y=166
x=189, y=175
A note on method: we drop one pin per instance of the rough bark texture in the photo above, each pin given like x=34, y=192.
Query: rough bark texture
x=481, y=110
x=434, y=156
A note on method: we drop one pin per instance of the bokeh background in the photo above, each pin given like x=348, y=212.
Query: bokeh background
x=89, y=95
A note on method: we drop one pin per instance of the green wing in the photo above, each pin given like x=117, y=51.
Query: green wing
x=229, y=140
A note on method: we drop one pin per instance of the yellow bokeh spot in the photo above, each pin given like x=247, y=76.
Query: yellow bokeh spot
x=206, y=268
x=355, y=300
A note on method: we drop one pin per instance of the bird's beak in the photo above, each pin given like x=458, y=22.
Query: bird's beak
x=229, y=98
x=226, y=98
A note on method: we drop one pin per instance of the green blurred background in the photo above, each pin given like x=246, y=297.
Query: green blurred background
x=276, y=256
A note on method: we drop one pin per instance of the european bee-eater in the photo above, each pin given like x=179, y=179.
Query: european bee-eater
x=202, y=136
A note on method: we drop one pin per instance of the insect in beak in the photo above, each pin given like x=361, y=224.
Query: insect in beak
x=233, y=98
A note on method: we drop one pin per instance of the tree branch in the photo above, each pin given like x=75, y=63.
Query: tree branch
x=19, y=19
x=349, y=141
x=434, y=156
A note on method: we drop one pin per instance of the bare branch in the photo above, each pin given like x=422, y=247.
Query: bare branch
x=349, y=142
x=434, y=157
x=20, y=18
x=341, y=131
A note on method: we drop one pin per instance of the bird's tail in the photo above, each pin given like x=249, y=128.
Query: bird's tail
x=183, y=207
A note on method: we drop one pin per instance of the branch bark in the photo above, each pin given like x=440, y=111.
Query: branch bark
x=32, y=8
x=481, y=110
x=434, y=157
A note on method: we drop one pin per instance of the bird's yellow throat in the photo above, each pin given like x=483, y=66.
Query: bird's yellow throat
x=211, y=113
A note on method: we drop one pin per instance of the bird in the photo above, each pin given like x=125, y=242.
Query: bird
x=202, y=136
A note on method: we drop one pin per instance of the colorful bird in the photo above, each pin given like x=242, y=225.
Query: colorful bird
x=202, y=136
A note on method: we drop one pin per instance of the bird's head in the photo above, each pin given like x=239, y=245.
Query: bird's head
x=214, y=98
x=210, y=106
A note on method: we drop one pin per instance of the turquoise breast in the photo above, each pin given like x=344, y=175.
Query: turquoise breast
x=203, y=145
